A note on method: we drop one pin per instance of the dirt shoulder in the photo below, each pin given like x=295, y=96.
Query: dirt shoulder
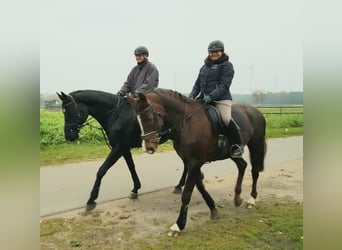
x=153, y=213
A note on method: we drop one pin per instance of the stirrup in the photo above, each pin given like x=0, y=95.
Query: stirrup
x=236, y=151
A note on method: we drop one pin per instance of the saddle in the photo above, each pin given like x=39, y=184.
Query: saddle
x=215, y=119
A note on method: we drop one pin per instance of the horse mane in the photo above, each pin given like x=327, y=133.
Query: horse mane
x=91, y=96
x=173, y=93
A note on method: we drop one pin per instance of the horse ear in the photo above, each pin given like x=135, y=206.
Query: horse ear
x=62, y=96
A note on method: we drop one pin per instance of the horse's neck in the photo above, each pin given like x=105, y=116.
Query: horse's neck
x=100, y=113
x=177, y=113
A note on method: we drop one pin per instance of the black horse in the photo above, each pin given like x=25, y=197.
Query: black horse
x=117, y=118
x=196, y=142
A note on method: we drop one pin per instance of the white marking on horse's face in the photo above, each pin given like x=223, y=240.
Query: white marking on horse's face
x=140, y=124
x=142, y=131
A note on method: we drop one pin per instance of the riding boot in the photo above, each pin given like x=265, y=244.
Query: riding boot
x=237, y=148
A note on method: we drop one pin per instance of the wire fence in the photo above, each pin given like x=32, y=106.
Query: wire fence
x=281, y=110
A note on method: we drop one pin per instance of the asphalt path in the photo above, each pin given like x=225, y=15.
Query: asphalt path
x=67, y=187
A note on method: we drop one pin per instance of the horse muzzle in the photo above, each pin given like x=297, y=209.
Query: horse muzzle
x=151, y=146
x=150, y=150
x=71, y=136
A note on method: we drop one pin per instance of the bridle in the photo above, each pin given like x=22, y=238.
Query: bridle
x=77, y=126
x=157, y=129
x=74, y=126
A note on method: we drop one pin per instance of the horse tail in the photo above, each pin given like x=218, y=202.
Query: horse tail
x=258, y=147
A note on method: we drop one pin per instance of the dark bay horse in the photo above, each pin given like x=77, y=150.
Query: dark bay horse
x=118, y=120
x=196, y=143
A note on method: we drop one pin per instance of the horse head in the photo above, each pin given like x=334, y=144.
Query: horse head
x=151, y=117
x=74, y=116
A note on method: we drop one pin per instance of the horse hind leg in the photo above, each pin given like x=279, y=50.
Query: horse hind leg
x=257, y=156
x=241, y=164
x=131, y=166
x=254, y=193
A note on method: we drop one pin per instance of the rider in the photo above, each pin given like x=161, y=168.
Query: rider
x=143, y=77
x=212, y=86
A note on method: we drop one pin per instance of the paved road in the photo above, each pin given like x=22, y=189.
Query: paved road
x=68, y=186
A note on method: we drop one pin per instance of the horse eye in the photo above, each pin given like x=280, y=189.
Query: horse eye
x=150, y=118
x=146, y=119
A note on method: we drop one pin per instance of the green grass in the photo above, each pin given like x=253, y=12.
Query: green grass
x=81, y=151
x=276, y=223
x=55, y=150
x=72, y=152
x=78, y=152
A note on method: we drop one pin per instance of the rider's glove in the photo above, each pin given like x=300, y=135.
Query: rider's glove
x=207, y=99
x=121, y=93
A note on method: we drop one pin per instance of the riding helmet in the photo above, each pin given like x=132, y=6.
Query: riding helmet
x=216, y=45
x=141, y=50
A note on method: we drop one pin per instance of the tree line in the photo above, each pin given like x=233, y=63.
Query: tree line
x=52, y=102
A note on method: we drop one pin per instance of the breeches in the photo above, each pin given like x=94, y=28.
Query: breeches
x=225, y=108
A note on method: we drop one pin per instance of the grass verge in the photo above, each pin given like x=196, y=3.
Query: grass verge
x=78, y=152
x=276, y=223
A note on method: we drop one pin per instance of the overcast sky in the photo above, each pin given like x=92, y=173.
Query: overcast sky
x=90, y=44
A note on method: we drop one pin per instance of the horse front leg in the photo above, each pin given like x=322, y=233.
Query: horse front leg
x=131, y=166
x=208, y=199
x=186, y=196
x=178, y=188
x=113, y=156
x=241, y=164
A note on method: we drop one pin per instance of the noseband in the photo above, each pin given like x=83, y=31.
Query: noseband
x=157, y=129
x=74, y=126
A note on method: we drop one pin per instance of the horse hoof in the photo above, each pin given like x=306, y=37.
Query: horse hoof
x=214, y=215
x=238, y=202
x=90, y=207
x=177, y=190
x=173, y=234
x=250, y=206
x=133, y=196
x=250, y=203
x=174, y=231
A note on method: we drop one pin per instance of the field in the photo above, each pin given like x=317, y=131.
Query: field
x=91, y=145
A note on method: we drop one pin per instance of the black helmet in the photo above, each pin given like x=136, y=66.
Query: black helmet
x=216, y=45
x=141, y=50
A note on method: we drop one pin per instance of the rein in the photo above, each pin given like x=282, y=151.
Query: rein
x=161, y=133
x=88, y=123
x=91, y=119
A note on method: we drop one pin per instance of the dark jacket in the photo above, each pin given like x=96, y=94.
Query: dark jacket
x=143, y=77
x=214, y=79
